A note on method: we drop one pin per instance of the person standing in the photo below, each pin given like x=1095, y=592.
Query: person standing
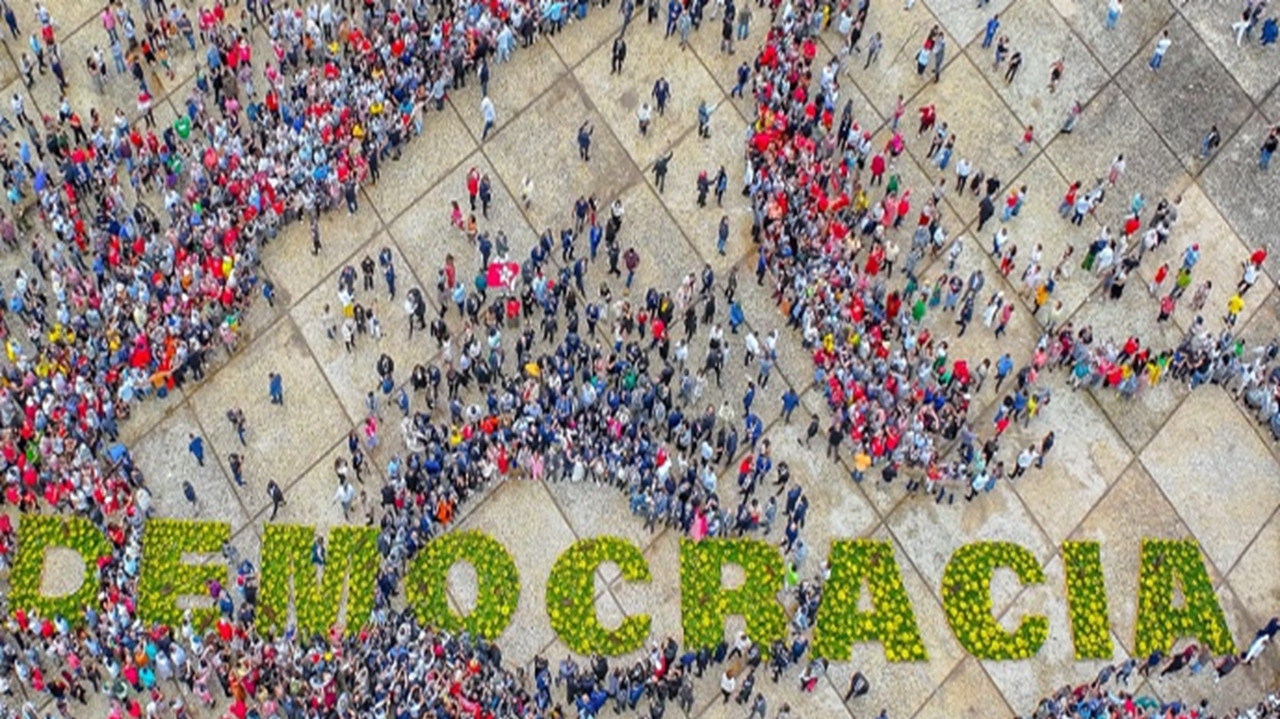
x=237, y=468
x=874, y=45
x=585, y=130
x=345, y=495
x=990, y=35
x=704, y=119
x=986, y=210
x=939, y=53
x=526, y=191
x=1162, y=46
x=315, y=233
x=1028, y=137
x=1046, y=444
x=1015, y=62
x=661, y=93
x=235, y=416
x=1026, y=458
x=189, y=493
x=858, y=685
x=196, y=448
x=619, y=55
x=1114, y=8
x=631, y=259
x=660, y=167
x=276, y=388
x=1268, y=149
x=490, y=116
x=744, y=75
x=1210, y=141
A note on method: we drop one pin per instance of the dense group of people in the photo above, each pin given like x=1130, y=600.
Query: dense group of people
x=608, y=384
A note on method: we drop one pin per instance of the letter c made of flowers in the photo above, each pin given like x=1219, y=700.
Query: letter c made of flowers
x=571, y=597
x=966, y=597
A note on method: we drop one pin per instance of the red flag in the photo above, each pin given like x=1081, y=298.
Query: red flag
x=502, y=274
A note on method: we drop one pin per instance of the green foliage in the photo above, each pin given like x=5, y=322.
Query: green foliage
x=705, y=602
x=1087, y=600
x=36, y=534
x=571, y=597
x=498, y=583
x=164, y=577
x=317, y=600
x=966, y=597
x=1159, y=624
x=892, y=622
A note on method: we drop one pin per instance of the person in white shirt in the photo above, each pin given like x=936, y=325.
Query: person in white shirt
x=489, y=114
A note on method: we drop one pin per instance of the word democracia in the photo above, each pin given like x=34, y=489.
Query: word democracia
x=294, y=592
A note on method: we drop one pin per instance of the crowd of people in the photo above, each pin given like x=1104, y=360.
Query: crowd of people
x=123, y=304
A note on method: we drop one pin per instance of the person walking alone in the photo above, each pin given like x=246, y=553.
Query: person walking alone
x=585, y=131
x=490, y=116
x=276, y=388
x=277, y=498
x=1162, y=46
x=196, y=448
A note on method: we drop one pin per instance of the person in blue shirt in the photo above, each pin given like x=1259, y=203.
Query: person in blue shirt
x=1003, y=367
x=790, y=400
x=196, y=447
x=992, y=26
x=276, y=388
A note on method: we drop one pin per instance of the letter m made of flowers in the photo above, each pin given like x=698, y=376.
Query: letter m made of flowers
x=317, y=590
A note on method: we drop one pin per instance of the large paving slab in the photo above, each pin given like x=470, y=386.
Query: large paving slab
x=1035, y=28
x=1134, y=33
x=1191, y=70
x=1234, y=463
x=163, y=455
x=534, y=545
x=310, y=408
x=1242, y=191
x=352, y=374
x=1095, y=457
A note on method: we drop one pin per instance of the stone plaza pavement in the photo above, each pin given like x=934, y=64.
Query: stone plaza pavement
x=1169, y=463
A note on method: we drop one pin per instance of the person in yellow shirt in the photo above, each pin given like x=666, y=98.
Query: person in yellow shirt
x=1042, y=296
x=861, y=463
x=1234, y=306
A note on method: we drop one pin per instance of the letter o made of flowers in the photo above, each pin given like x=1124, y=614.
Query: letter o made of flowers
x=571, y=597
x=38, y=533
x=966, y=597
x=497, y=584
